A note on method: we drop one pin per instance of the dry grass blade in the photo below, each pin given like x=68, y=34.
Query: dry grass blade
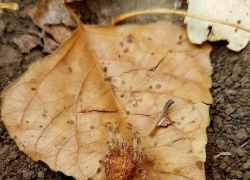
x=122, y=17
x=222, y=154
x=10, y=6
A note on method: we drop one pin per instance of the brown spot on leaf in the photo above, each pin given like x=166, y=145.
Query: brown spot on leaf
x=170, y=51
x=105, y=69
x=122, y=95
x=108, y=79
x=121, y=44
x=179, y=43
x=178, y=123
x=200, y=165
x=44, y=115
x=135, y=105
x=182, y=118
x=69, y=70
x=126, y=50
x=70, y=122
x=180, y=37
x=158, y=86
x=130, y=39
x=99, y=170
x=149, y=38
x=193, y=108
x=176, y=170
x=113, y=87
x=33, y=89
x=127, y=112
x=151, y=163
x=239, y=21
x=92, y=127
x=190, y=151
x=152, y=53
x=123, y=82
x=150, y=87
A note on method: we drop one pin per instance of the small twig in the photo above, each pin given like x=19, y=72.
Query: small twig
x=241, y=147
x=10, y=6
x=122, y=17
x=222, y=154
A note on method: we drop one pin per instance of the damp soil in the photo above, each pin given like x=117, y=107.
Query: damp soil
x=230, y=113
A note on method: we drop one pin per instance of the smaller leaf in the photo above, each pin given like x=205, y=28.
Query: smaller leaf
x=233, y=11
x=53, y=18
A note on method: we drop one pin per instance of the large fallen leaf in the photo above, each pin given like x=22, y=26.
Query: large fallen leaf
x=234, y=11
x=57, y=110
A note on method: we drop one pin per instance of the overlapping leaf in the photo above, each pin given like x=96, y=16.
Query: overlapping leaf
x=233, y=11
x=57, y=110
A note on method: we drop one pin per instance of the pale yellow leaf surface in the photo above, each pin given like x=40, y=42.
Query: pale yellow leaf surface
x=57, y=110
x=233, y=11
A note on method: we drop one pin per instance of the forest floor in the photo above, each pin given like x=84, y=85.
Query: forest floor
x=230, y=112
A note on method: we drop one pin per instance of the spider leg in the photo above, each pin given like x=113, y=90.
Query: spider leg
x=134, y=147
x=123, y=143
x=143, y=173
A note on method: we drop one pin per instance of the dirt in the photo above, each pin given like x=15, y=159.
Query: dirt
x=229, y=128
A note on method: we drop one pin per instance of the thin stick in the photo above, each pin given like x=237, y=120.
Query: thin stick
x=122, y=17
x=241, y=147
x=10, y=6
x=163, y=113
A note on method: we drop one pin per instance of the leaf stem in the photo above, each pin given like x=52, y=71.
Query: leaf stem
x=10, y=6
x=122, y=17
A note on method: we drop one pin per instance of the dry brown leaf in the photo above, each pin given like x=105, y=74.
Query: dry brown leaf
x=234, y=11
x=27, y=42
x=53, y=17
x=49, y=44
x=57, y=110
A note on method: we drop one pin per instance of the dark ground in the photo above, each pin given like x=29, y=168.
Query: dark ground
x=230, y=113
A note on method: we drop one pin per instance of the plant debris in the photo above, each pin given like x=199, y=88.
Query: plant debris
x=27, y=42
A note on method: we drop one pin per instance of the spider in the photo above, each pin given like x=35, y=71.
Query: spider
x=122, y=160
